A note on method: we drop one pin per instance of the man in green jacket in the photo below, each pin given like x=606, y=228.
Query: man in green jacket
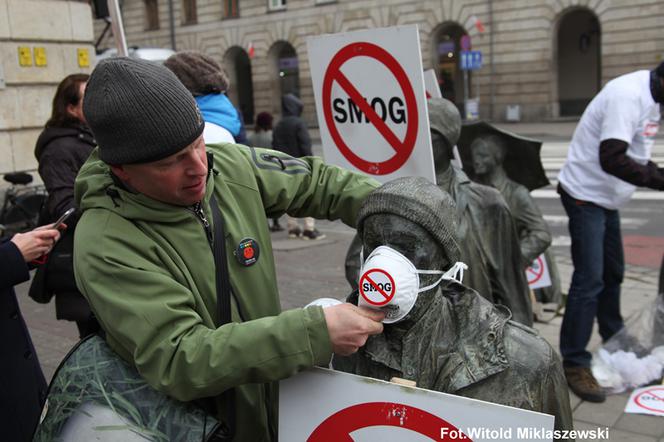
x=143, y=248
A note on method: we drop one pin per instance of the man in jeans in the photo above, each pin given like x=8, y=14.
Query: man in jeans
x=608, y=158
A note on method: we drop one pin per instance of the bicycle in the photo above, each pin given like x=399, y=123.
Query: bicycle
x=22, y=204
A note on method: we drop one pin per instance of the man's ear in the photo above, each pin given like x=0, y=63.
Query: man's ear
x=120, y=172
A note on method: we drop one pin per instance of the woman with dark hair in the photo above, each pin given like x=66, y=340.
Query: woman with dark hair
x=62, y=148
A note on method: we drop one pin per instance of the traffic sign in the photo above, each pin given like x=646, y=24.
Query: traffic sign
x=471, y=60
x=370, y=102
x=325, y=405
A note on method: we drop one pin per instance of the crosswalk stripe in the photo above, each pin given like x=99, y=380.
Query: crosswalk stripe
x=643, y=195
x=625, y=222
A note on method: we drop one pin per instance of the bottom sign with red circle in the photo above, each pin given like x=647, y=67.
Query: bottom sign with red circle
x=647, y=400
x=321, y=405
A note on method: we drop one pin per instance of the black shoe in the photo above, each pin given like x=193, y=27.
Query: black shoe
x=276, y=227
x=584, y=385
x=313, y=235
x=295, y=232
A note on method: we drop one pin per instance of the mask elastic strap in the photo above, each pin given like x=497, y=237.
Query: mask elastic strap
x=430, y=272
x=456, y=272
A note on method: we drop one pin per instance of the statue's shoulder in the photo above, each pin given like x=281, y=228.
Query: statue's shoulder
x=518, y=337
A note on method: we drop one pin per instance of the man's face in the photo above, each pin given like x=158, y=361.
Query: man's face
x=179, y=179
x=404, y=236
x=484, y=160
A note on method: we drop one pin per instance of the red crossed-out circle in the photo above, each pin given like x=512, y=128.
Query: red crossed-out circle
x=658, y=397
x=402, y=149
x=535, y=271
x=388, y=296
x=341, y=424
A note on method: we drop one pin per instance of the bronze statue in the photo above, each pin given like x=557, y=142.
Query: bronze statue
x=486, y=229
x=487, y=234
x=452, y=340
x=488, y=150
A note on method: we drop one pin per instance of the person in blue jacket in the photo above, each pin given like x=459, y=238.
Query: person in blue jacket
x=208, y=83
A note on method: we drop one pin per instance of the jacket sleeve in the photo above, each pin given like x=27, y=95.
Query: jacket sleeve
x=14, y=268
x=534, y=236
x=172, y=346
x=307, y=186
x=614, y=160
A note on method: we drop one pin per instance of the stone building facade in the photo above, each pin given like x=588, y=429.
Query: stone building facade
x=41, y=42
x=548, y=57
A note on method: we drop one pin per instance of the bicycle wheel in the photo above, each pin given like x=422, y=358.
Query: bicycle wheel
x=23, y=214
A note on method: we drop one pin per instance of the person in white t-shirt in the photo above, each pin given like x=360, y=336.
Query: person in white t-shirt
x=608, y=158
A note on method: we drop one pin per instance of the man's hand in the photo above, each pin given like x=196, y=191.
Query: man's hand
x=349, y=326
x=37, y=242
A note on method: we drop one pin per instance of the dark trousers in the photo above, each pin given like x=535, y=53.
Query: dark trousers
x=597, y=255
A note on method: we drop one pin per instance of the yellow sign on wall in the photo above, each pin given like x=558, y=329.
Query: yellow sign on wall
x=83, y=57
x=40, y=56
x=24, y=56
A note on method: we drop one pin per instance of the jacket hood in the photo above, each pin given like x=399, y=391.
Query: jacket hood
x=291, y=106
x=96, y=188
x=52, y=133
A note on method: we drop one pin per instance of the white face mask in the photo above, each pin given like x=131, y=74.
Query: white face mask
x=390, y=282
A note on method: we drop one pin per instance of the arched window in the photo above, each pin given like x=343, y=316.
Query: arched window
x=578, y=61
x=241, y=91
x=447, y=63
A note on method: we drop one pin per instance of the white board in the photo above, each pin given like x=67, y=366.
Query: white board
x=371, y=103
x=321, y=405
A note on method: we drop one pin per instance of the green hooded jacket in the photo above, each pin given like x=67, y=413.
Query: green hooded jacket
x=147, y=269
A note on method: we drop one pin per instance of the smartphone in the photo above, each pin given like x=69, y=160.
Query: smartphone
x=62, y=219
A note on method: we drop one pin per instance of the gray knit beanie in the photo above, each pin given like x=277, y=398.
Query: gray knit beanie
x=139, y=112
x=198, y=72
x=445, y=119
x=417, y=200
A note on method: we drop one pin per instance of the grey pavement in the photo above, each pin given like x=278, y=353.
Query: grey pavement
x=311, y=269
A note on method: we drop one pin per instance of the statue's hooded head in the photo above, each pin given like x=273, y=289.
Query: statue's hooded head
x=414, y=217
x=445, y=126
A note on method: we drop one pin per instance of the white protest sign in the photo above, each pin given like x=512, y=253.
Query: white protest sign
x=538, y=273
x=647, y=400
x=431, y=84
x=371, y=104
x=322, y=405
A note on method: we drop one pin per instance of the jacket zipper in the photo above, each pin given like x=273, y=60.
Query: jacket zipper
x=197, y=209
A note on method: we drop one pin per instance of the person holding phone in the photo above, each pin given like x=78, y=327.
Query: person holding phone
x=22, y=383
x=61, y=149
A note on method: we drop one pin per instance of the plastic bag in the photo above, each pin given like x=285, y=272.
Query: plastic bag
x=635, y=355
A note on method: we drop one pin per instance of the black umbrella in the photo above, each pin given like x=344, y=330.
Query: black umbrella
x=522, y=157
